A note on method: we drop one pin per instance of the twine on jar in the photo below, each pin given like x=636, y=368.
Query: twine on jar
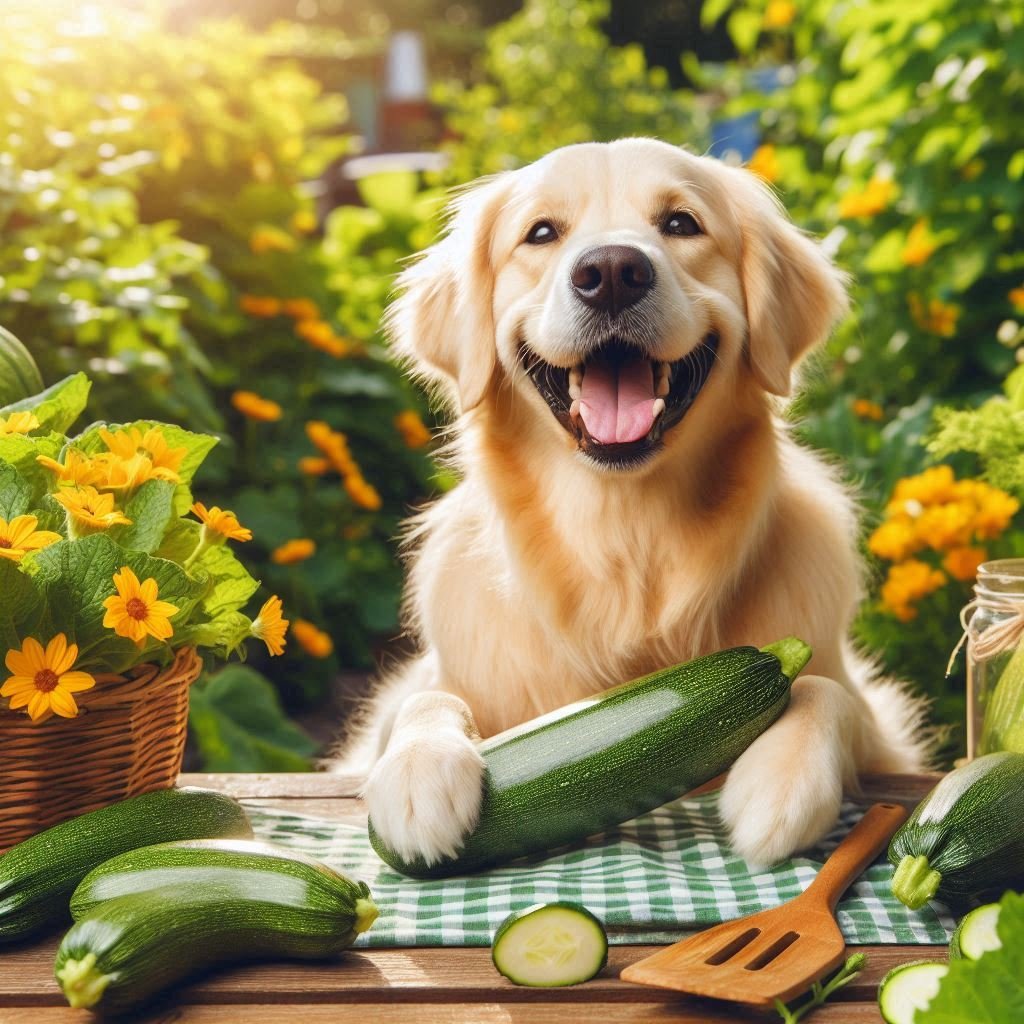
x=1002, y=636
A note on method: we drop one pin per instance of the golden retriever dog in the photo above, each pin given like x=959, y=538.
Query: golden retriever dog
x=615, y=327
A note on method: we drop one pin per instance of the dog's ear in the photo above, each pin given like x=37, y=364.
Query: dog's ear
x=443, y=320
x=794, y=293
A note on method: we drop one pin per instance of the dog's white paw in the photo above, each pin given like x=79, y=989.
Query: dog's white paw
x=424, y=794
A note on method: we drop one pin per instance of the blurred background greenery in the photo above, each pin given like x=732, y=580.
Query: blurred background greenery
x=204, y=206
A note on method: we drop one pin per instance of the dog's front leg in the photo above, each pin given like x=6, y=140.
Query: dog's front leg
x=784, y=792
x=425, y=791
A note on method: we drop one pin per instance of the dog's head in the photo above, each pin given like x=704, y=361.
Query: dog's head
x=616, y=287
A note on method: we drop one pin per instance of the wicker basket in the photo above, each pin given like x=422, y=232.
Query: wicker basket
x=129, y=739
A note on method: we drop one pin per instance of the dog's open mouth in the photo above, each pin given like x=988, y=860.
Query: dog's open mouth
x=619, y=402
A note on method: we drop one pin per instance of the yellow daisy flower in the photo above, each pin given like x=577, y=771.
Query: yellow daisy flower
x=20, y=536
x=75, y=469
x=779, y=14
x=152, y=446
x=315, y=642
x=919, y=246
x=18, y=423
x=413, y=430
x=270, y=627
x=42, y=680
x=220, y=521
x=134, y=610
x=362, y=493
x=248, y=403
x=871, y=201
x=765, y=163
x=88, y=508
x=291, y=551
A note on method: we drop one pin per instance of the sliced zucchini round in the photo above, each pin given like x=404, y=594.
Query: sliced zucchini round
x=550, y=944
x=909, y=988
x=976, y=934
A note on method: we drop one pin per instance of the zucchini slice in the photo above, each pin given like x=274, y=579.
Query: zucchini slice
x=909, y=988
x=976, y=934
x=550, y=944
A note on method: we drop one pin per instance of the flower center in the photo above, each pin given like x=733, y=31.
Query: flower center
x=136, y=608
x=5, y=542
x=46, y=680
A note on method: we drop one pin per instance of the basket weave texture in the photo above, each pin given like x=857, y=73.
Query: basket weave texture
x=128, y=739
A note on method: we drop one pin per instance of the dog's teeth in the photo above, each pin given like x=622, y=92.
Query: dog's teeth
x=658, y=407
x=574, y=409
x=576, y=382
x=661, y=388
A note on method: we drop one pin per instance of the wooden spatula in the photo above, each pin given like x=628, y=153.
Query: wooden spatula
x=777, y=953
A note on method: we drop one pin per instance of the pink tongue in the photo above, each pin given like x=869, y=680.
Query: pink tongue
x=617, y=404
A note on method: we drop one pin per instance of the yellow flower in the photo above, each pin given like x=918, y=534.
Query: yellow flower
x=313, y=641
x=297, y=550
x=301, y=309
x=962, y=563
x=303, y=222
x=334, y=445
x=936, y=317
x=248, y=403
x=765, y=163
x=75, y=469
x=779, y=14
x=934, y=485
x=314, y=465
x=1016, y=296
x=267, y=238
x=867, y=410
x=871, y=201
x=363, y=494
x=264, y=306
x=894, y=540
x=134, y=610
x=135, y=457
x=995, y=511
x=20, y=536
x=42, y=679
x=270, y=627
x=946, y=526
x=320, y=335
x=906, y=583
x=222, y=522
x=411, y=427
x=88, y=508
x=919, y=246
x=17, y=423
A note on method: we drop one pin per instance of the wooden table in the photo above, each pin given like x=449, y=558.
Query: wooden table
x=432, y=986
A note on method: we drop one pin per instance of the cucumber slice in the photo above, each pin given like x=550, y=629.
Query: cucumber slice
x=550, y=944
x=909, y=988
x=976, y=934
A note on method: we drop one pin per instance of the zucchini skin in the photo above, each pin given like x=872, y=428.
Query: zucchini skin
x=594, y=764
x=966, y=837
x=136, y=945
x=38, y=876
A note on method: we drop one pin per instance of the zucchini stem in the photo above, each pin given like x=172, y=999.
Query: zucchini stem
x=915, y=881
x=83, y=983
x=366, y=913
x=792, y=653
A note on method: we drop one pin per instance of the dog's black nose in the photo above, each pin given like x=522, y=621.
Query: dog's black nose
x=612, y=277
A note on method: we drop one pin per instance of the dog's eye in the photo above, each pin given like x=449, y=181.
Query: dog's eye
x=541, y=233
x=681, y=223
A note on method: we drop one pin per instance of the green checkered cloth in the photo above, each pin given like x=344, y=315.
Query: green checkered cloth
x=650, y=880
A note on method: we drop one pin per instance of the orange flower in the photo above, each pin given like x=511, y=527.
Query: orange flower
x=301, y=309
x=270, y=627
x=75, y=469
x=134, y=611
x=906, y=583
x=1016, y=296
x=334, y=445
x=411, y=427
x=962, y=563
x=267, y=238
x=20, y=536
x=936, y=317
x=42, y=680
x=18, y=423
x=89, y=509
x=291, y=551
x=867, y=410
x=264, y=306
x=779, y=14
x=871, y=201
x=303, y=222
x=764, y=161
x=140, y=457
x=363, y=494
x=314, y=465
x=313, y=641
x=220, y=521
x=248, y=403
x=919, y=246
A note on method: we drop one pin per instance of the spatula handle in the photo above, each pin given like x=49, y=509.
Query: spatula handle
x=860, y=847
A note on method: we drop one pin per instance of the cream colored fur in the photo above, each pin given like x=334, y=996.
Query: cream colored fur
x=542, y=577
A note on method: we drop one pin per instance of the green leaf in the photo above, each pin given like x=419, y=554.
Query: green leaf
x=239, y=725
x=59, y=405
x=20, y=603
x=391, y=192
x=230, y=584
x=15, y=493
x=150, y=510
x=989, y=990
x=21, y=452
x=224, y=635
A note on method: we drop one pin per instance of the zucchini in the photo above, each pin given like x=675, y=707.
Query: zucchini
x=909, y=988
x=38, y=875
x=228, y=906
x=976, y=934
x=599, y=762
x=550, y=944
x=965, y=838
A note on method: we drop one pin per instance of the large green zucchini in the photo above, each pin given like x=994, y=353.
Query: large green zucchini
x=219, y=903
x=38, y=876
x=966, y=837
x=591, y=765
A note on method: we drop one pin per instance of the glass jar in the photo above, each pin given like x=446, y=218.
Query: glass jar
x=995, y=659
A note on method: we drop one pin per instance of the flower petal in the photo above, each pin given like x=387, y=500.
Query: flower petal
x=16, y=684
x=75, y=682
x=35, y=656
x=163, y=609
x=57, y=654
x=39, y=704
x=63, y=703
x=148, y=590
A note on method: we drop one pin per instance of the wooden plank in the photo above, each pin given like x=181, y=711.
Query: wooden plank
x=680, y=1012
